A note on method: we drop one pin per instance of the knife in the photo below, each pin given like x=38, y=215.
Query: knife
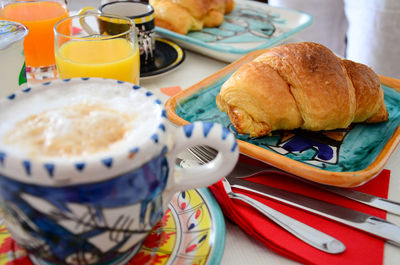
x=368, y=223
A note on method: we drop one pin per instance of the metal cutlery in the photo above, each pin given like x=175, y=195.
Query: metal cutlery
x=302, y=231
x=306, y=233
x=371, y=224
x=247, y=170
x=358, y=220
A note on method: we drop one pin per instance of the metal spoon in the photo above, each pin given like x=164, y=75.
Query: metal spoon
x=302, y=231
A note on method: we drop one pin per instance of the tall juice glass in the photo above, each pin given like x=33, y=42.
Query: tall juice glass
x=39, y=17
x=99, y=46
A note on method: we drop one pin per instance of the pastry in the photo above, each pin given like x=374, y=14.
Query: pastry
x=301, y=85
x=182, y=16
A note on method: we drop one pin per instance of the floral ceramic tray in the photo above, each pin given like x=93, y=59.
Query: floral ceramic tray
x=345, y=158
x=251, y=25
x=192, y=231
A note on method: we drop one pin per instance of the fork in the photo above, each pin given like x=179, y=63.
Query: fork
x=302, y=231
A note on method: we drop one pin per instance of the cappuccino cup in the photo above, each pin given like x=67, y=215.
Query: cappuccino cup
x=87, y=167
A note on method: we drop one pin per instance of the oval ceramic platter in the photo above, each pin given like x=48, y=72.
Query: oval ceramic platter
x=192, y=231
x=251, y=25
x=345, y=158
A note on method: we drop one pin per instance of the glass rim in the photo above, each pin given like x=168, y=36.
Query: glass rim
x=105, y=37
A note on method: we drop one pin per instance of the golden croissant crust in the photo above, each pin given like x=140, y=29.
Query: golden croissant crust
x=182, y=16
x=301, y=85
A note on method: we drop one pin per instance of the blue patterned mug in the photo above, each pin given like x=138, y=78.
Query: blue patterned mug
x=87, y=168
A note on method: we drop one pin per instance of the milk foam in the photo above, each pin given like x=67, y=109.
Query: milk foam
x=126, y=119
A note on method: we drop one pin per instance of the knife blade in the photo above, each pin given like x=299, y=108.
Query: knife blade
x=371, y=200
x=364, y=222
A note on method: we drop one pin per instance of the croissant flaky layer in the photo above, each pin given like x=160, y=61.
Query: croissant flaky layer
x=301, y=85
x=182, y=16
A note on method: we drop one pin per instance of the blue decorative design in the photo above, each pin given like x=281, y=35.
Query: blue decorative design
x=85, y=78
x=203, y=238
x=300, y=144
x=234, y=146
x=27, y=166
x=188, y=130
x=162, y=127
x=154, y=137
x=80, y=166
x=66, y=80
x=164, y=150
x=120, y=82
x=149, y=94
x=11, y=97
x=191, y=226
x=26, y=90
x=136, y=87
x=142, y=187
x=183, y=194
x=158, y=102
x=107, y=162
x=2, y=158
x=50, y=168
x=134, y=150
x=207, y=126
x=225, y=133
x=164, y=114
x=46, y=83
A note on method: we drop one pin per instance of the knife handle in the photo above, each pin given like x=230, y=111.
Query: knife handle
x=302, y=231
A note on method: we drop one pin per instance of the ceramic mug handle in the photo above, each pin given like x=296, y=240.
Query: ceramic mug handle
x=204, y=133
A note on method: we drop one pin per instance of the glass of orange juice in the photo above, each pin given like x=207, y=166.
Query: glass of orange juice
x=39, y=16
x=98, y=45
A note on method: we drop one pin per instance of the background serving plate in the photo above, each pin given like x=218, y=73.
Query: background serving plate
x=251, y=25
x=345, y=158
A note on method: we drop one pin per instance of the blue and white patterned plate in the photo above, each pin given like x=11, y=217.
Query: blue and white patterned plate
x=250, y=26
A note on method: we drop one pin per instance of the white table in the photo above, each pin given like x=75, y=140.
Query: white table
x=240, y=248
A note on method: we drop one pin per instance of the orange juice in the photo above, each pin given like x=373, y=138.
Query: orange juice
x=112, y=58
x=39, y=18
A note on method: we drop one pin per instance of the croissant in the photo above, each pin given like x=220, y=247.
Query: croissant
x=301, y=85
x=182, y=16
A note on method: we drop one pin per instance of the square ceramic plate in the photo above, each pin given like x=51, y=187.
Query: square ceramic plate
x=345, y=158
x=251, y=25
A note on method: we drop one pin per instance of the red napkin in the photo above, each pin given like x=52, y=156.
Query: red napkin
x=361, y=248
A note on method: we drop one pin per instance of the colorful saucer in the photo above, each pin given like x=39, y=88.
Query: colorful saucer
x=168, y=56
x=192, y=231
